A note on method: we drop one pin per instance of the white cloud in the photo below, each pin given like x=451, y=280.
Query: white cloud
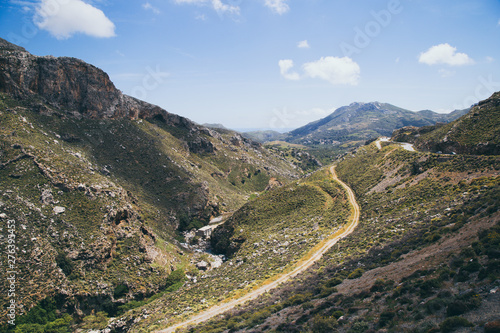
x=217, y=5
x=490, y=59
x=444, y=54
x=303, y=44
x=148, y=6
x=277, y=6
x=223, y=8
x=334, y=69
x=285, y=66
x=65, y=18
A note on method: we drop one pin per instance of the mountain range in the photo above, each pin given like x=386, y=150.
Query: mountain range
x=357, y=122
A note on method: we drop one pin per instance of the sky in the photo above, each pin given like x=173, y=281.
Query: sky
x=273, y=64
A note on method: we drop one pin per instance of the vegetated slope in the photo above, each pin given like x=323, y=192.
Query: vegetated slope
x=477, y=132
x=99, y=184
x=363, y=121
x=424, y=256
x=263, y=238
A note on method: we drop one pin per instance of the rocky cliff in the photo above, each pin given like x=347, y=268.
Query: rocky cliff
x=72, y=87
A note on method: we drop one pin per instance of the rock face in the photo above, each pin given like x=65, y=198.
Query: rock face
x=77, y=89
x=69, y=84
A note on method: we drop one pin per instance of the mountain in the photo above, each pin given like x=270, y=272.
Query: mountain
x=99, y=188
x=477, y=132
x=264, y=136
x=363, y=121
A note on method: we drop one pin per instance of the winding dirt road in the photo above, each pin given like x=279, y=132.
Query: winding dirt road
x=307, y=261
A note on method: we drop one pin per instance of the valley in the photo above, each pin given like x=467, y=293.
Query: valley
x=303, y=264
x=130, y=218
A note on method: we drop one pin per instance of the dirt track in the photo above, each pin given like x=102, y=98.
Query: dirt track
x=307, y=261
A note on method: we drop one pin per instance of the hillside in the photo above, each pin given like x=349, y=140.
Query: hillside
x=424, y=257
x=477, y=132
x=100, y=187
x=363, y=121
x=264, y=238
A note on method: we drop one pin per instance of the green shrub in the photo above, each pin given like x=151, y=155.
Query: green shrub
x=333, y=282
x=321, y=324
x=386, y=317
x=120, y=290
x=452, y=323
x=97, y=322
x=357, y=273
x=298, y=299
x=359, y=327
x=64, y=263
x=434, y=305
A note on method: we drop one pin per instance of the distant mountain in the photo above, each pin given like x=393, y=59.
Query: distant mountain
x=217, y=126
x=363, y=121
x=477, y=132
x=264, y=136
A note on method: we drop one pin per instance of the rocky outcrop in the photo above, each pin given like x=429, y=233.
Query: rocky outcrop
x=70, y=87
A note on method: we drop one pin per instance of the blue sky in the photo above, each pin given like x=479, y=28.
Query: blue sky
x=273, y=63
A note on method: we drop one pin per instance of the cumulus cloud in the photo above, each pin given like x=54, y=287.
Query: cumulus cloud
x=65, y=18
x=334, y=69
x=285, y=66
x=277, y=6
x=444, y=54
x=303, y=44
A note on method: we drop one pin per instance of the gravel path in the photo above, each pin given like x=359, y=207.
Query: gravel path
x=307, y=261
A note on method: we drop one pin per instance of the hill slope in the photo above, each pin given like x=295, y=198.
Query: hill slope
x=423, y=258
x=100, y=185
x=363, y=121
x=477, y=132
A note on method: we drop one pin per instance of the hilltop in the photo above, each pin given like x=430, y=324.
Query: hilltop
x=364, y=121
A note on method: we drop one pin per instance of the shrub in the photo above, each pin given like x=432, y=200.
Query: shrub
x=322, y=324
x=359, y=327
x=120, y=290
x=298, y=299
x=64, y=263
x=452, y=323
x=434, y=305
x=333, y=282
x=386, y=317
x=357, y=273
x=456, y=308
x=97, y=321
